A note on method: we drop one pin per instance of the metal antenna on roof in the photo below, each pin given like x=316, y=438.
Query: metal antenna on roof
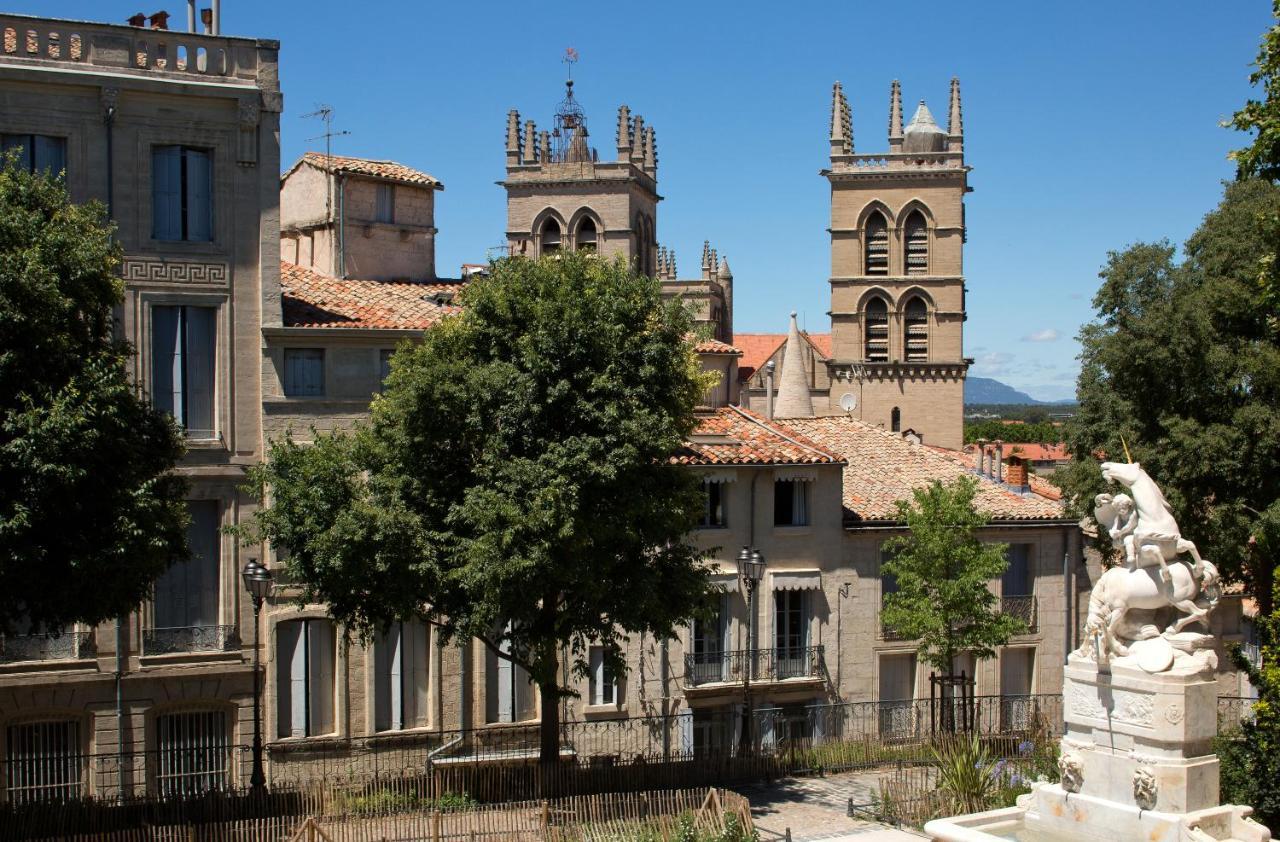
x=325, y=112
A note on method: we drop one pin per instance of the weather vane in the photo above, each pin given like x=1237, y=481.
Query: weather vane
x=570, y=58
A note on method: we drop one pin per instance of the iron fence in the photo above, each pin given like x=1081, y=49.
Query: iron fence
x=67, y=646
x=1024, y=608
x=165, y=641
x=763, y=664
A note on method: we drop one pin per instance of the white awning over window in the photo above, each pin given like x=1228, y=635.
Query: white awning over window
x=726, y=581
x=718, y=476
x=796, y=580
x=795, y=474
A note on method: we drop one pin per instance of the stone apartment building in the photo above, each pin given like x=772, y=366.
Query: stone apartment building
x=178, y=134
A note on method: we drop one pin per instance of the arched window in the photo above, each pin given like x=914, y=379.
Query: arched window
x=895, y=420
x=876, y=244
x=916, y=327
x=917, y=234
x=586, y=239
x=876, y=327
x=550, y=236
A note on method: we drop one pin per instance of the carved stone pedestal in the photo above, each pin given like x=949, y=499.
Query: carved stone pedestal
x=1137, y=758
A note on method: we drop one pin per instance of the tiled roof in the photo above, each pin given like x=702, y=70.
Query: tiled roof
x=310, y=299
x=735, y=436
x=882, y=467
x=1039, y=485
x=389, y=170
x=1032, y=451
x=757, y=348
x=715, y=346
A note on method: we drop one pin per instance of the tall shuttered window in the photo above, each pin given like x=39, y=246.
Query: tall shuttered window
x=36, y=153
x=917, y=240
x=185, y=611
x=385, y=201
x=604, y=684
x=43, y=762
x=915, y=324
x=183, y=353
x=181, y=194
x=876, y=245
x=400, y=656
x=193, y=753
x=509, y=696
x=305, y=654
x=875, y=324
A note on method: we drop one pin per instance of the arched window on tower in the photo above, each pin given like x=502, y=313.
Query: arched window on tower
x=916, y=327
x=550, y=236
x=917, y=234
x=876, y=244
x=895, y=420
x=586, y=239
x=876, y=327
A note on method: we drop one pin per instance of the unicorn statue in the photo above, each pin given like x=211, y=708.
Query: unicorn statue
x=1154, y=577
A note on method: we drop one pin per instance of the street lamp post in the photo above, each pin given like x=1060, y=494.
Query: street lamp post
x=257, y=581
x=751, y=569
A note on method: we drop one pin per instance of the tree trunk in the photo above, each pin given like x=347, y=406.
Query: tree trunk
x=549, y=731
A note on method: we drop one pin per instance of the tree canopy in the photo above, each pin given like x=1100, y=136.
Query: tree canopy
x=942, y=572
x=1181, y=366
x=514, y=483
x=90, y=511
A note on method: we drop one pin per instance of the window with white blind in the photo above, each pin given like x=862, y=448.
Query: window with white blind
x=385, y=203
x=509, y=696
x=790, y=503
x=181, y=194
x=876, y=244
x=304, y=372
x=915, y=324
x=193, y=753
x=875, y=326
x=604, y=684
x=184, y=343
x=37, y=153
x=43, y=762
x=186, y=595
x=790, y=624
x=916, y=233
x=400, y=663
x=713, y=507
x=305, y=654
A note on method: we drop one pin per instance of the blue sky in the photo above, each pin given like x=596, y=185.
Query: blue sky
x=1089, y=126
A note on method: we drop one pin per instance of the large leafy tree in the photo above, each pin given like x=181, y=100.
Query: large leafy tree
x=942, y=570
x=90, y=511
x=514, y=484
x=1180, y=365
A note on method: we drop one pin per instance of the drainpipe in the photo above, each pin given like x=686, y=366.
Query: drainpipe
x=342, y=228
x=217, y=17
x=122, y=661
x=664, y=670
x=768, y=400
x=110, y=120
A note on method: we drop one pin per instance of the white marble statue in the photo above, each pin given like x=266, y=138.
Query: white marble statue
x=1153, y=577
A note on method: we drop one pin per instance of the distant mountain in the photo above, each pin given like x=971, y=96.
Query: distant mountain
x=986, y=390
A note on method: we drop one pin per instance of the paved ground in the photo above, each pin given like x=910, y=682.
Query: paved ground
x=817, y=808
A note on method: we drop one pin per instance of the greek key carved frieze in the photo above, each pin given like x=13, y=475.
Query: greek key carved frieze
x=146, y=270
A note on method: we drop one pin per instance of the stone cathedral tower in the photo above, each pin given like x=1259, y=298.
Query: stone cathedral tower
x=561, y=195
x=897, y=282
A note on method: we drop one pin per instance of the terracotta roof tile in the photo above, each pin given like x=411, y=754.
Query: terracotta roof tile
x=389, y=170
x=311, y=299
x=735, y=436
x=757, y=348
x=715, y=346
x=882, y=467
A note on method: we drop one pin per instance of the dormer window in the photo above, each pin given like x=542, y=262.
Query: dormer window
x=587, y=235
x=876, y=244
x=550, y=237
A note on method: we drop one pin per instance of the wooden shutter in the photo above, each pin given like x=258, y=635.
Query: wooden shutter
x=166, y=193
x=199, y=198
x=50, y=154
x=506, y=694
x=395, y=675
x=201, y=352
x=206, y=556
x=382, y=681
x=21, y=142
x=417, y=650
x=166, y=361
x=321, y=646
x=597, y=675
x=291, y=681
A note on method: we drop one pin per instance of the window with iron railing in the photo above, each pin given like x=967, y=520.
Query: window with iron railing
x=193, y=753
x=186, y=605
x=43, y=762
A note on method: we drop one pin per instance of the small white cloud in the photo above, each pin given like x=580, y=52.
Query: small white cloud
x=1046, y=335
x=993, y=364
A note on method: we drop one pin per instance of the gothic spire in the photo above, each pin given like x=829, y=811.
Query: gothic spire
x=624, y=133
x=955, y=120
x=513, y=138
x=895, y=114
x=841, y=123
x=794, y=400
x=530, y=143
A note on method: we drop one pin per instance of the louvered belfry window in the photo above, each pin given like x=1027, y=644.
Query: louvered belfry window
x=916, y=325
x=917, y=234
x=876, y=324
x=876, y=244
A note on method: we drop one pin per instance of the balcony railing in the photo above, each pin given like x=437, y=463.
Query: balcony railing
x=764, y=665
x=178, y=639
x=1022, y=607
x=69, y=646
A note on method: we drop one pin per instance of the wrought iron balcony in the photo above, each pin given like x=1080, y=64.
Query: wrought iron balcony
x=69, y=646
x=1022, y=607
x=705, y=668
x=167, y=641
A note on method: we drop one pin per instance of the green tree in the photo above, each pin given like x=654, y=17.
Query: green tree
x=90, y=511
x=942, y=571
x=1251, y=756
x=1180, y=365
x=515, y=482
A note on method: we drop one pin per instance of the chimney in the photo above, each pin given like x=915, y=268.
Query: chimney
x=191, y=16
x=217, y=17
x=999, y=466
x=138, y=20
x=768, y=390
x=982, y=457
x=160, y=20
x=1017, y=472
x=206, y=20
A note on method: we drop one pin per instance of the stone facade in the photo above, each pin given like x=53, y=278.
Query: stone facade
x=129, y=108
